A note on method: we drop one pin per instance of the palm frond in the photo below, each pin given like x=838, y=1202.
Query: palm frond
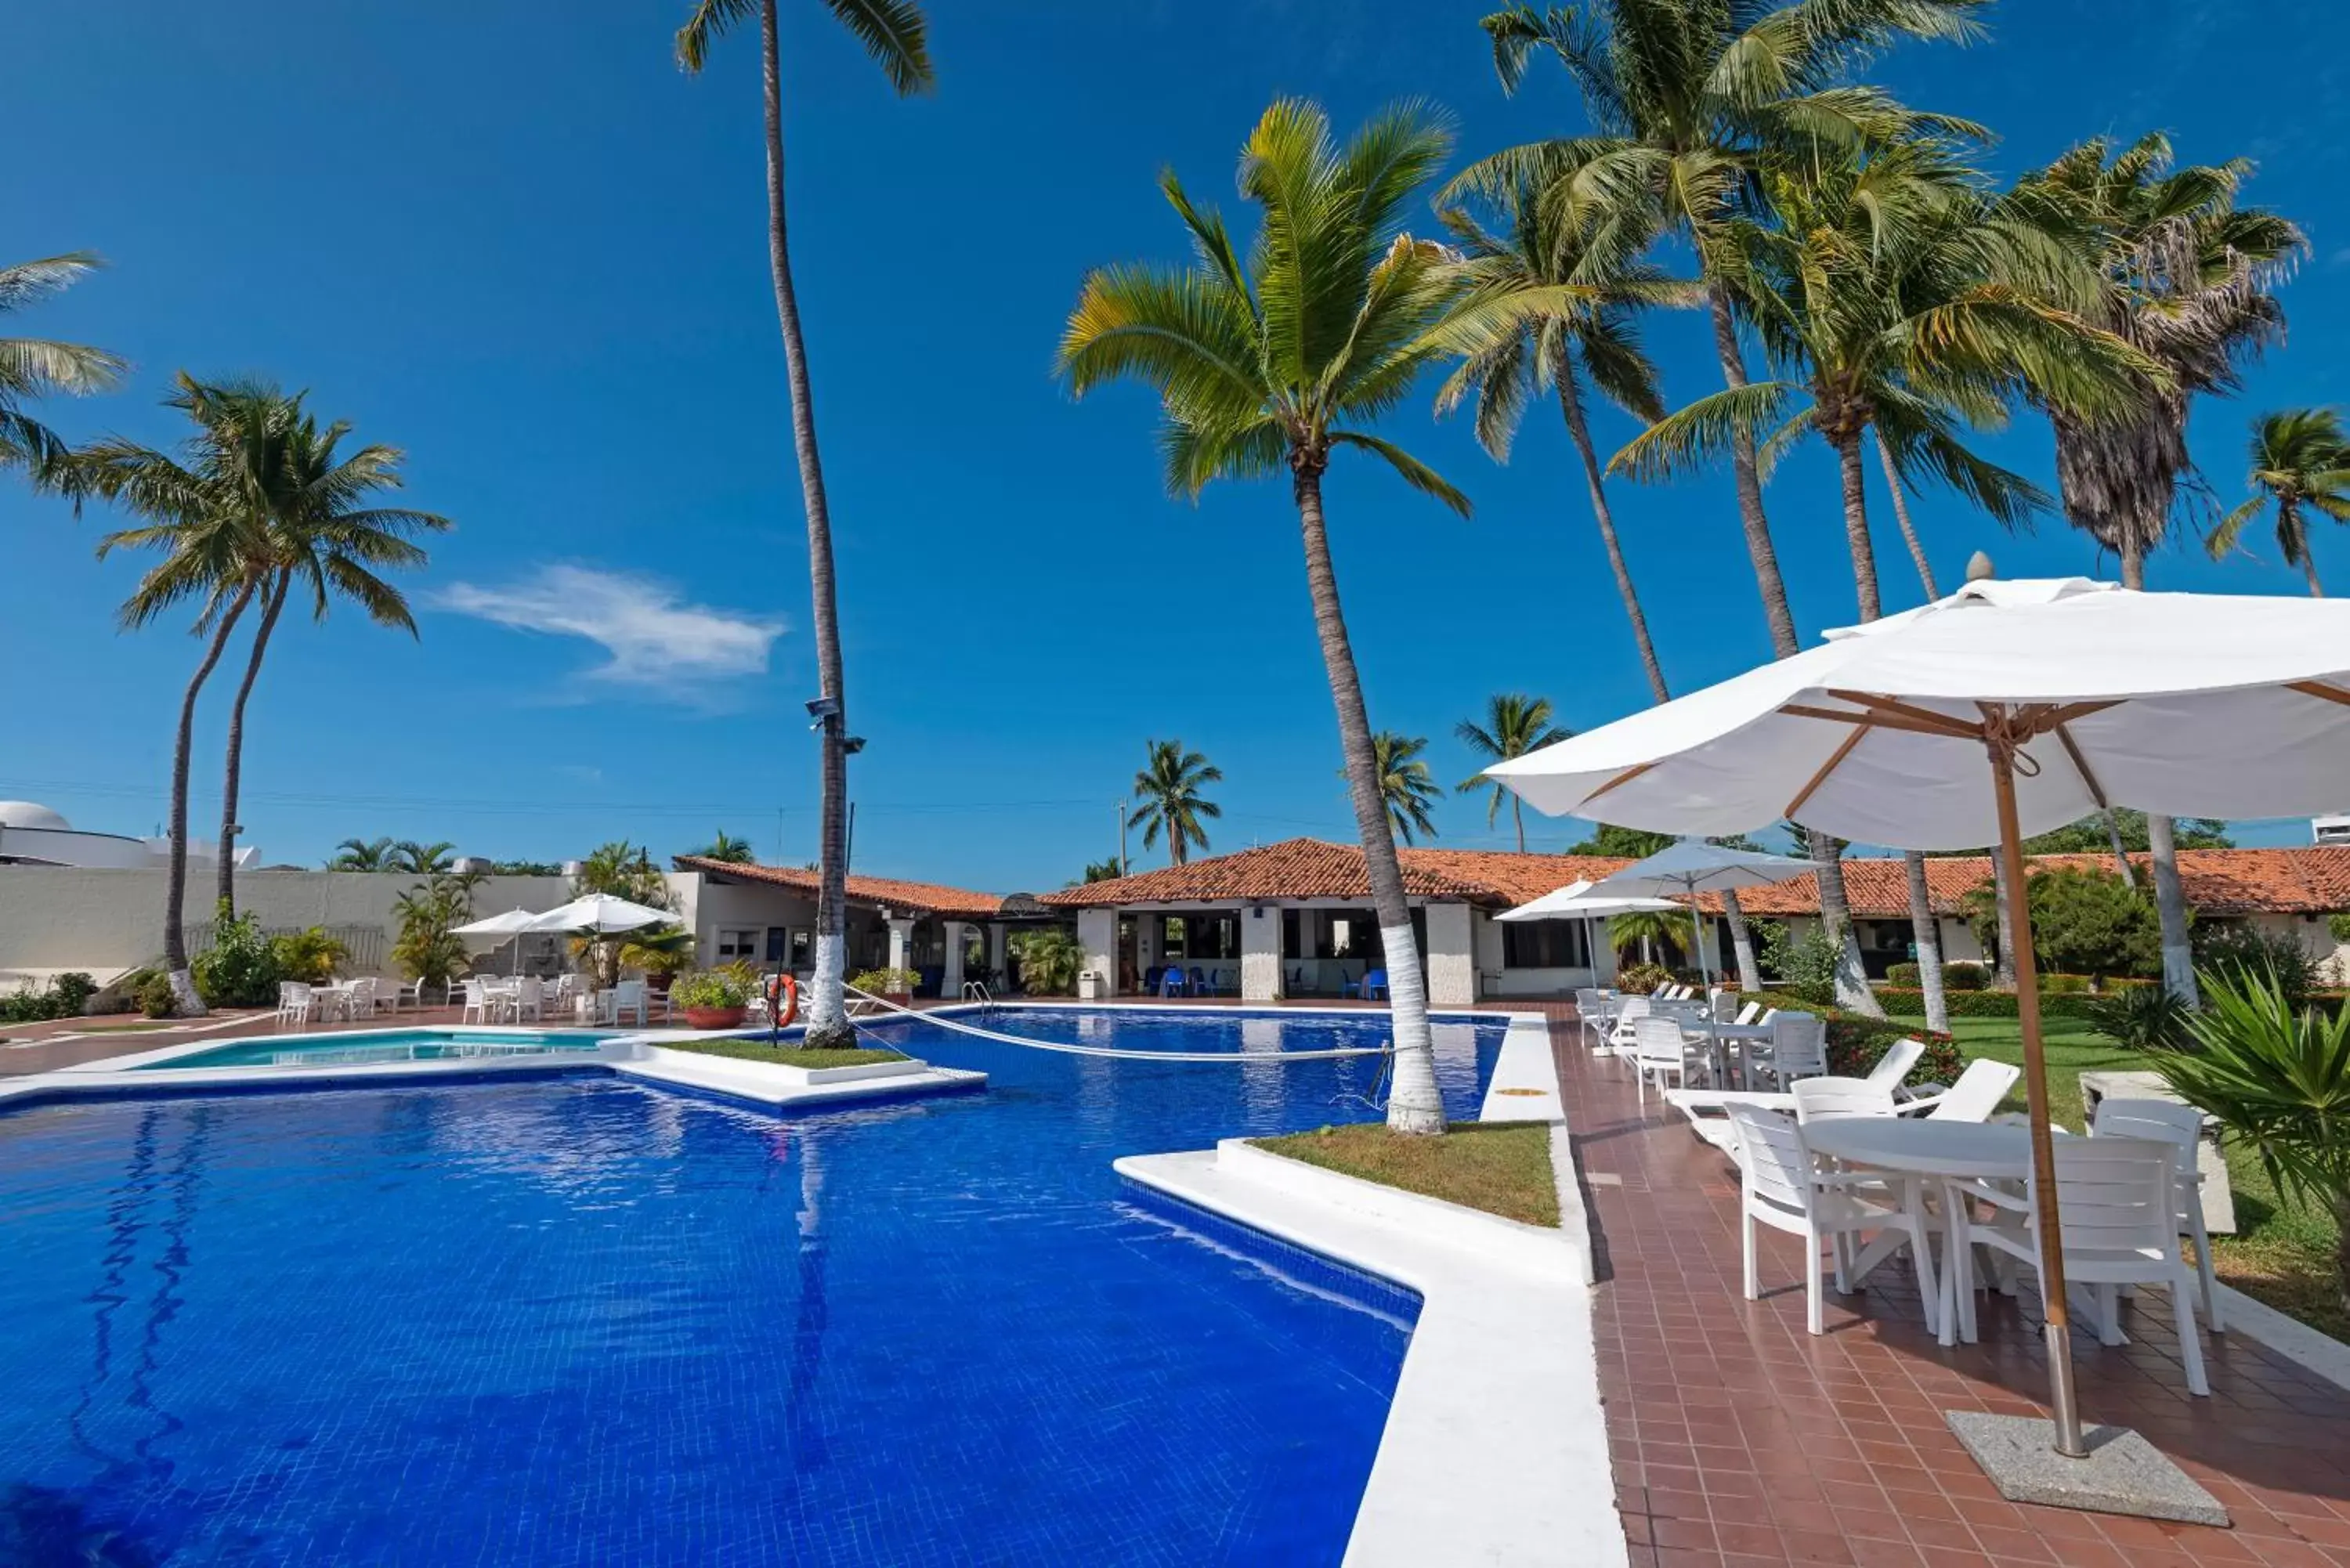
x=1416, y=474
x=1702, y=431
x=896, y=35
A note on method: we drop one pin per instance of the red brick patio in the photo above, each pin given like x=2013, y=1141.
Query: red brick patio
x=1739, y=1440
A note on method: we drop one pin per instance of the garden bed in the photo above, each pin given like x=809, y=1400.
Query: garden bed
x=1501, y=1167
x=810, y=1058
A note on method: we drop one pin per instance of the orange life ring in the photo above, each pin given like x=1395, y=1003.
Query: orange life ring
x=783, y=1000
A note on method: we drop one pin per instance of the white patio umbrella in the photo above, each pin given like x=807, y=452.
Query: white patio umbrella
x=513, y=923
x=599, y=914
x=1692, y=867
x=1576, y=902
x=2076, y=694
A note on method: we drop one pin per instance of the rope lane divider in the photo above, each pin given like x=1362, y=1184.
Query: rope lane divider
x=1242, y=1057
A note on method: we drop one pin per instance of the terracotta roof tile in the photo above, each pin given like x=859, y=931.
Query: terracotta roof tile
x=914, y=898
x=2302, y=881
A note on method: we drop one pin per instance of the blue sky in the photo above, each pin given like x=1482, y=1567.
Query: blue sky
x=516, y=241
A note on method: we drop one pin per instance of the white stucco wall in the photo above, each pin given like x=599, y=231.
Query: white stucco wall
x=1097, y=931
x=1260, y=975
x=1452, y=957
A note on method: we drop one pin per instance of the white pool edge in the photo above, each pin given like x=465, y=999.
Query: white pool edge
x=1496, y=1448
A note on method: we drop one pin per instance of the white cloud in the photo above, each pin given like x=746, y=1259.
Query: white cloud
x=654, y=637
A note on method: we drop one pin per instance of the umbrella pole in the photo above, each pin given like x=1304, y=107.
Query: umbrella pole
x=2061, y=1408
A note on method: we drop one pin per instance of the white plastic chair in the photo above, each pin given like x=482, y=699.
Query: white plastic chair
x=2118, y=1206
x=1781, y=1186
x=293, y=1002
x=1973, y=1097
x=1825, y=1098
x=1660, y=1051
x=2181, y=1126
x=529, y=998
x=1592, y=1015
x=477, y=1003
x=1797, y=1049
x=1629, y=1011
x=629, y=996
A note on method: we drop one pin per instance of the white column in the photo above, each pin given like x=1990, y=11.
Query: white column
x=1098, y=932
x=1261, y=977
x=901, y=937
x=1451, y=962
x=995, y=946
x=1485, y=933
x=950, y=981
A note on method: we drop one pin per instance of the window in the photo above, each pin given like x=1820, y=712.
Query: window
x=802, y=948
x=776, y=936
x=1544, y=944
x=1211, y=936
x=1290, y=947
x=1345, y=934
x=735, y=944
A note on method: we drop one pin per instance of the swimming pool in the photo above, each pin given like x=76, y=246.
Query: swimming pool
x=589, y=1321
x=377, y=1045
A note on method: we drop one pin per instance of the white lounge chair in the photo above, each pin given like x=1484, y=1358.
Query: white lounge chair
x=1818, y=1099
x=1973, y=1097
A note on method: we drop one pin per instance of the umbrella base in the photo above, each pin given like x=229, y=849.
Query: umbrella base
x=2124, y=1473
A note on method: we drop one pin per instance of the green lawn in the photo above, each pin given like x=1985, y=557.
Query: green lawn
x=2280, y=1254
x=1503, y=1168
x=788, y=1056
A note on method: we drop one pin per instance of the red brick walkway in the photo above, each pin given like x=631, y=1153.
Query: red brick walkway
x=1739, y=1440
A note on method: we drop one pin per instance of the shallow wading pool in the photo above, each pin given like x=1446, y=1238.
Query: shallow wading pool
x=585, y=1319
x=372, y=1045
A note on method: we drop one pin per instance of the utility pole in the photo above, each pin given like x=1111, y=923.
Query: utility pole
x=1120, y=806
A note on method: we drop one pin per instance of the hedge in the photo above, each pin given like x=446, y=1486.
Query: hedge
x=1855, y=1044
x=1998, y=1003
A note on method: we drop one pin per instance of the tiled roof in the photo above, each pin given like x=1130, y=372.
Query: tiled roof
x=909, y=897
x=2216, y=881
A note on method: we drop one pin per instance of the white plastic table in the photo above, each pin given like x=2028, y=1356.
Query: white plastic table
x=1950, y=1151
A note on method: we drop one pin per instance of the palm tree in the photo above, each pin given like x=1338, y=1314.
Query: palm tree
x=1653, y=931
x=1406, y=785
x=2300, y=458
x=1686, y=95
x=2189, y=279
x=35, y=366
x=362, y=855
x=423, y=860
x=1278, y=362
x=727, y=847
x=894, y=32
x=1169, y=787
x=1514, y=724
x=1539, y=313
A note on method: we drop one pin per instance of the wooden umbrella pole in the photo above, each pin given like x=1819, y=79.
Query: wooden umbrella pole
x=2062, y=1409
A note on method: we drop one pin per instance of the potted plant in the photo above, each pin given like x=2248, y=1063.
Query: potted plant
x=711, y=999
x=890, y=984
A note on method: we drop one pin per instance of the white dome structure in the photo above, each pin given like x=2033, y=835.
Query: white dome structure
x=32, y=814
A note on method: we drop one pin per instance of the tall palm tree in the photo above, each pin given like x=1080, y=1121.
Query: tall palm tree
x=1514, y=724
x=2191, y=279
x=896, y=36
x=1168, y=787
x=2300, y=460
x=727, y=847
x=35, y=366
x=1685, y=96
x=1278, y=362
x=1405, y=785
x=362, y=855
x=1541, y=312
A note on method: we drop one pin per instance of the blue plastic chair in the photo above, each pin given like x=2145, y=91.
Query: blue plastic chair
x=1171, y=982
x=1377, y=980
x=1150, y=980
x=1199, y=983
x=1349, y=987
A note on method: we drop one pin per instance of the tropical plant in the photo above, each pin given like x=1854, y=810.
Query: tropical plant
x=2141, y=1017
x=727, y=847
x=623, y=870
x=310, y=955
x=2190, y=280
x=1051, y=957
x=1276, y=362
x=896, y=35
x=716, y=990
x=1168, y=787
x=1406, y=785
x=362, y=855
x=1103, y=870
x=886, y=981
x=2300, y=464
x=2090, y=922
x=426, y=948
x=1641, y=979
x=240, y=969
x=2238, y=948
x=421, y=859
x=1805, y=965
x=1540, y=311
x=1514, y=724
x=525, y=868
x=1623, y=843
x=35, y=367
x=157, y=997
x=2278, y=1075
x=1657, y=935
x=665, y=949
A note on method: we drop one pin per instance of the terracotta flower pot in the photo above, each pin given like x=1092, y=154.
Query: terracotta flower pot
x=714, y=1017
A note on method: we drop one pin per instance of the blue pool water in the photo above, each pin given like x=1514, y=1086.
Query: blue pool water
x=379, y=1045
x=580, y=1321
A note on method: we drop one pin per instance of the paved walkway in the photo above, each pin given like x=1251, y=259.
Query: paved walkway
x=1739, y=1440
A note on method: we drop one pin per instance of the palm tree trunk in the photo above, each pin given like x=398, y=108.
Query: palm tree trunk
x=1570, y=403
x=2162, y=842
x=1751, y=517
x=1928, y=934
x=1518, y=816
x=1901, y=514
x=273, y=601
x=1854, y=480
x=186, y=1002
x=2003, y=974
x=1742, y=941
x=828, y=1013
x=1414, y=1102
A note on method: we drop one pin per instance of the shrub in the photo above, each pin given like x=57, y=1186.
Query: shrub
x=886, y=981
x=239, y=970
x=73, y=991
x=1641, y=979
x=2092, y=923
x=2239, y=955
x=1908, y=976
x=1856, y=1044
x=310, y=956
x=2142, y=1017
x=1050, y=960
x=427, y=949
x=155, y=998
x=1965, y=974
x=712, y=987
x=2056, y=984
x=2338, y=928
